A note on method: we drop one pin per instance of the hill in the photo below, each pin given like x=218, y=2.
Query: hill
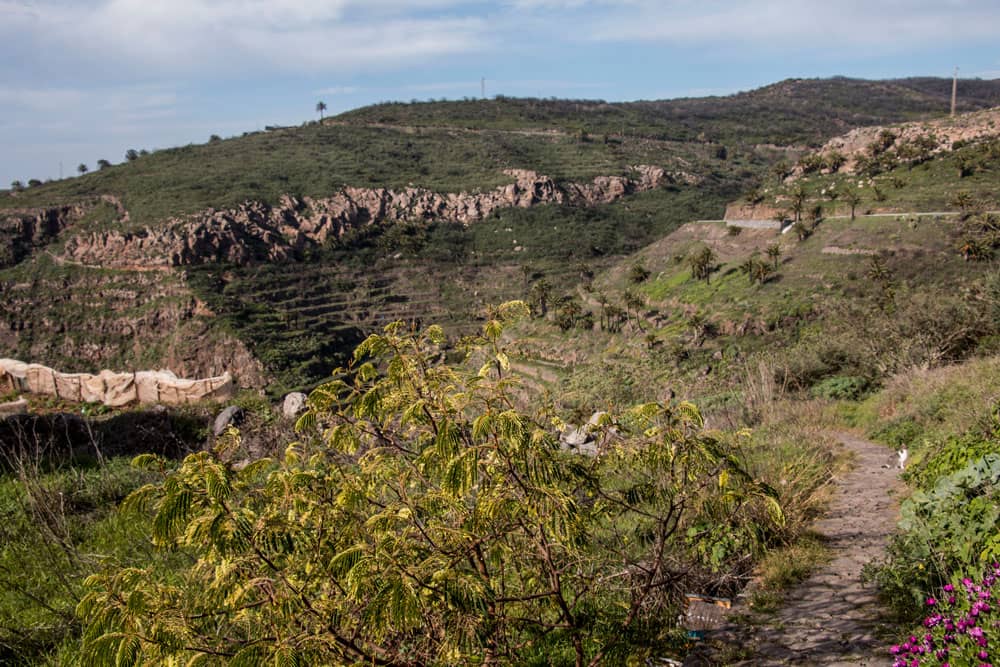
x=794, y=111
x=272, y=253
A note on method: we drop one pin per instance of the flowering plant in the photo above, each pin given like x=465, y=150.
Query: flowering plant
x=958, y=628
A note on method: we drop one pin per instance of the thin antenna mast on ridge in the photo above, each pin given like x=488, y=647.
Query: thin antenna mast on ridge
x=954, y=92
x=482, y=84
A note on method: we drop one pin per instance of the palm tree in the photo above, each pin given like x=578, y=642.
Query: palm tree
x=702, y=264
x=82, y=169
x=749, y=266
x=539, y=297
x=761, y=272
x=799, y=198
x=633, y=304
x=774, y=252
x=963, y=200
x=699, y=325
x=973, y=249
x=801, y=231
x=853, y=200
x=320, y=108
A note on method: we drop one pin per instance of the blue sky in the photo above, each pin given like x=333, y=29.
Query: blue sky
x=83, y=80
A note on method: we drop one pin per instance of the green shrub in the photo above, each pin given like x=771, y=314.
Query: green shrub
x=433, y=523
x=841, y=387
x=952, y=528
x=899, y=432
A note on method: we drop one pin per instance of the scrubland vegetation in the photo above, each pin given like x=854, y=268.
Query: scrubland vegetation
x=423, y=511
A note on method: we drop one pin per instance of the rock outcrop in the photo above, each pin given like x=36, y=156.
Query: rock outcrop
x=25, y=230
x=88, y=318
x=742, y=212
x=294, y=404
x=942, y=134
x=255, y=231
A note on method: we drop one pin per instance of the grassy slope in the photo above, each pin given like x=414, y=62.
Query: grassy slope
x=301, y=317
x=792, y=111
x=315, y=160
x=930, y=186
x=813, y=321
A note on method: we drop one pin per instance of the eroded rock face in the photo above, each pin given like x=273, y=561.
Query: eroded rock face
x=92, y=318
x=26, y=230
x=258, y=232
x=941, y=133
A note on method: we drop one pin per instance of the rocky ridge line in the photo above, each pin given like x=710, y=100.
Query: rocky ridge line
x=255, y=231
x=943, y=133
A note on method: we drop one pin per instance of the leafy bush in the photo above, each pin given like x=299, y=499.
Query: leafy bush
x=939, y=460
x=638, y=273
x=841, y=387
x=902, y=432
x=954, y=527
x=431, y=522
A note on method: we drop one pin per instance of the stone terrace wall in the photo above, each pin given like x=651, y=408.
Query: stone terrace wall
x=110, y=388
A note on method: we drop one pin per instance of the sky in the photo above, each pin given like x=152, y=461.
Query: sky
x=83, y=80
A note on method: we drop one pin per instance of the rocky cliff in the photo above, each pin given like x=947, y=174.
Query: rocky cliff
x=81, y=319
x=256, y=231
x=938, y=135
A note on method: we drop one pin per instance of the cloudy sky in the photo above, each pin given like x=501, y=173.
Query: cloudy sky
x=82, y=80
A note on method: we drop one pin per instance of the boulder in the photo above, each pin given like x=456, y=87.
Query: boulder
x=293, y=405
x=574, y=437
x=231, y=416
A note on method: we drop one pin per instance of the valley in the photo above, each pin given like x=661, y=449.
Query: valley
x=716, y=284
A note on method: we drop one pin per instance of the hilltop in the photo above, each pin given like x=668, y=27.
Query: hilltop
x=790, y=112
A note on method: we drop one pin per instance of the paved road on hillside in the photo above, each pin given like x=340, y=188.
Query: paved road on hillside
x=831, y=618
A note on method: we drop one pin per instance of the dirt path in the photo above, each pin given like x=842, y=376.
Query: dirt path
x=832, y=617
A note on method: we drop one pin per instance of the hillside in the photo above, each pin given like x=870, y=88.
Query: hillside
x=296, y=242
x=791, y=112
x=433, y=506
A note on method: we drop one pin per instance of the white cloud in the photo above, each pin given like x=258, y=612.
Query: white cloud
x=40, y=100
x=785, y=24
x=185, y=37
x=338, y=90
x=136, y=38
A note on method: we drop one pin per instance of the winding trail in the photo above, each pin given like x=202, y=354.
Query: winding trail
x=832, y=618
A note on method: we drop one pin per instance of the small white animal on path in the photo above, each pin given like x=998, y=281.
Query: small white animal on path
x=903, y=454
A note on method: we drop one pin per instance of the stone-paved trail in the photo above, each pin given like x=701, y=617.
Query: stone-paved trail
x=831, y=618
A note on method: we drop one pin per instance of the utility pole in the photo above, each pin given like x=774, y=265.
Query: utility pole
x=482, y=86
x=954, y=92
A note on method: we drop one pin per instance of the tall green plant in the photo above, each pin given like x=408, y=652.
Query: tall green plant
x=424, y=519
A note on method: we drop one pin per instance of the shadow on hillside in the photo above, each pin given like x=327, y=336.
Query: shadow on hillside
x=59, y=439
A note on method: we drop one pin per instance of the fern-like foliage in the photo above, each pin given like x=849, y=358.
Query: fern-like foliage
x=423, y=518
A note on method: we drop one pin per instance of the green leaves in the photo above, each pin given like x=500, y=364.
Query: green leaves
x=430, y=522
